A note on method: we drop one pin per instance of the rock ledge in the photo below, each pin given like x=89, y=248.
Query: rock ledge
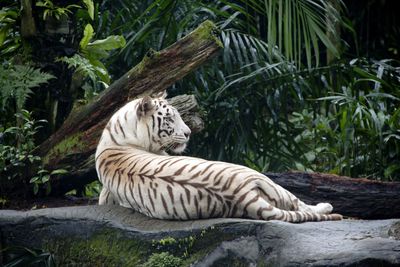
x=115, y=236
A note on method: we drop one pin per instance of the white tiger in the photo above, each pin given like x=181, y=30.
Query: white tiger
x=137, y=173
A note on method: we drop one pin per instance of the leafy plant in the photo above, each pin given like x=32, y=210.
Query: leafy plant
x=17, y=145
x=52, y=10
x=42, y=177
x=87, y=63
x=9, y=41
x=22, y=256
x=93, y=189
x=366, y=114
x=356, y=131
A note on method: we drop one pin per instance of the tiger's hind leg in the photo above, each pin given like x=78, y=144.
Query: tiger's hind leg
x=285, y=200
x=107, y=198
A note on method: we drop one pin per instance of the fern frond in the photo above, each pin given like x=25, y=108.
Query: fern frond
x=17, y=81
x=81, y=65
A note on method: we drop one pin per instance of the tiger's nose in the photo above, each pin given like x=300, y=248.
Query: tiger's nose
x=187, y=133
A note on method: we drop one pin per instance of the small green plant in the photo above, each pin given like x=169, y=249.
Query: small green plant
x=16, y=146
x=93, y=189
x=42, y=178
x=163, y=259
x=52, y=10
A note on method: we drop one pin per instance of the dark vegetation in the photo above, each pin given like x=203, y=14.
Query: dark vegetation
x=305, y=85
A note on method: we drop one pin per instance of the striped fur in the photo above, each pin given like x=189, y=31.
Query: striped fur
x=137, y=173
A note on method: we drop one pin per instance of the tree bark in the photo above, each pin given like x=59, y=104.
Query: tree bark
x=28, y=25
x=352, y=197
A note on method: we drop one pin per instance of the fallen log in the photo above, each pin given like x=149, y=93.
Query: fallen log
x=353, y=197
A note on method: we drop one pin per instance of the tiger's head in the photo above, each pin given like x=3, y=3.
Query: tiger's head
x=161, y=125
x=148, y=123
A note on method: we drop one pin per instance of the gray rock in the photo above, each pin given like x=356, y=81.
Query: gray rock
x=115, y=236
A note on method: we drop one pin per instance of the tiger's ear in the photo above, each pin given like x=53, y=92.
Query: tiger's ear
x=146, y=107
x=162, y=94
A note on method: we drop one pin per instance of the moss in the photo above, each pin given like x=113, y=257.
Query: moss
x=194, y=247
x=72, y=143
x=207, y=31
x=139, y=68
x=207, y=241
x=163, y=259
x=112, y=247
x=104, y=248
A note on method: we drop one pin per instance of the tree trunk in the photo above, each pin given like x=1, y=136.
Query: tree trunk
x=28, y=26
x=360, y=198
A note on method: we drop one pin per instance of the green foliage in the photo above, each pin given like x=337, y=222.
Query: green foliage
x=88, y=61
x=83, y=67
x=294, y=28
x=157, y=24
x=52, y=10
x=9, y=41
x=93, y=189
x=16, y=146
x=97, y=50
x=347, y=133
x=260, y=95
x=90, y=7
x=42, y=178
x=269, y=101
x=163, y=259
x=22, y=256
x=366, y=119
x=17, y=82
x=16, y=156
